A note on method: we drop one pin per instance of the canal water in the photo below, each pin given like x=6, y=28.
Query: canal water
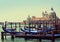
x=22, y=39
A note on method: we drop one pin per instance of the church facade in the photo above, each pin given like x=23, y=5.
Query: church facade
x=47, y=19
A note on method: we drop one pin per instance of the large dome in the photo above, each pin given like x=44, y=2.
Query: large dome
x=52, y=12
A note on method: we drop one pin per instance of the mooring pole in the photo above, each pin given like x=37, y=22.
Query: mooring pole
x=12, y=37
x=15, y=26
x=2, y=36
x=53, y=38
x=5, y=26
x=19, y=27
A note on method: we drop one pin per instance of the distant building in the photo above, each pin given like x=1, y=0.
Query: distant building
x=46, y=16
x=46, y=19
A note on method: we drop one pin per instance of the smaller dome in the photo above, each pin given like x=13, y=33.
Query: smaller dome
x=45, y=11
x=46, y=14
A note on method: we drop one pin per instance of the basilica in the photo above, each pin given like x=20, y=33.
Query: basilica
x=47, y=19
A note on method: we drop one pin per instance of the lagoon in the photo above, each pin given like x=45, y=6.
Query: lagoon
x=22, y=39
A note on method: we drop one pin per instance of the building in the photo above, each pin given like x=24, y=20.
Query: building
x=47, y=19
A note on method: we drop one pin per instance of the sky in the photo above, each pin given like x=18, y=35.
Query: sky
x=18, y=10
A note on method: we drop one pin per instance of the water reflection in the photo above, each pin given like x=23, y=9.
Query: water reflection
x=31, y=40
x=19, y=40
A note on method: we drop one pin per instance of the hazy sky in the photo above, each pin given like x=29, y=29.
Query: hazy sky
x=18, y=10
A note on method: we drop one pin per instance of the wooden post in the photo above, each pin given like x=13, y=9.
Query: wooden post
x=40, y=24
x=29, y=26
x=5, y=28
x=40, y=40
x=53, y=39
x=46, y=25
x=24, y=24
x=43, y=25
x=2, y=36
x=19, y=27
x=15, y=26
x=32, y=24
x=11, y=25
x=12, y=37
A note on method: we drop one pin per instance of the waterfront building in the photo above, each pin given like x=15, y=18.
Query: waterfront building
x=47, y=19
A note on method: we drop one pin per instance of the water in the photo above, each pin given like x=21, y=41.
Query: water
x=22, y=39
